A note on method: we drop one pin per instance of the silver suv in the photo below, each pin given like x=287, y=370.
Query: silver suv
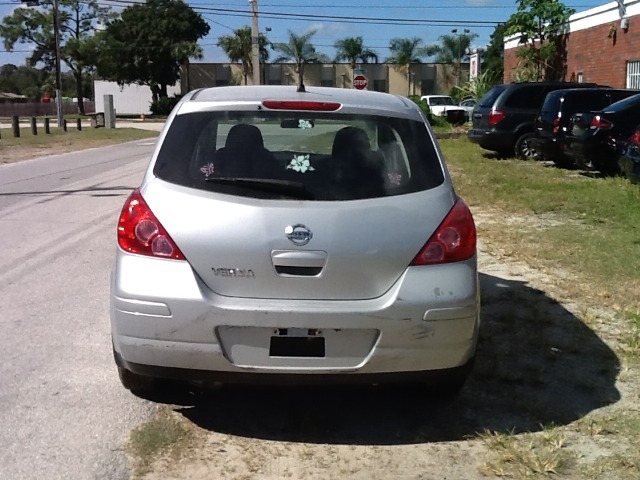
x=283, y=236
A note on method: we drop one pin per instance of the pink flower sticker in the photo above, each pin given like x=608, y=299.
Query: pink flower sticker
x=207, y=169
x=395, y=178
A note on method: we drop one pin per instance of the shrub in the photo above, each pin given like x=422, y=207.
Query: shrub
x=434, y=120
x=164, y=105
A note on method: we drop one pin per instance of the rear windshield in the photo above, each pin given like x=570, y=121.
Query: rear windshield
x=630, y=102
x=441, y=101
x=489, y=98
x=312, y=156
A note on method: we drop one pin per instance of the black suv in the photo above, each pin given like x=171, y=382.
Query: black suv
x=553, y=119
x=503, y=118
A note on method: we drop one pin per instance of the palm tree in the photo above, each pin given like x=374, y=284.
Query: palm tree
x=452, y=49
x=405, y=51
x=238, y=48
x=300, y=51
x=352, y=49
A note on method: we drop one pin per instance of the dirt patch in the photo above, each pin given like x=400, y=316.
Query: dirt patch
x=554, y=392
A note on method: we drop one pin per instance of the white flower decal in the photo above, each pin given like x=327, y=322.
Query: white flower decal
x=300, y=163
x=207, y=169
x=304, y=124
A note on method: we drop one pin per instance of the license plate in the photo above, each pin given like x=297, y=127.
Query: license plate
x=297, y=346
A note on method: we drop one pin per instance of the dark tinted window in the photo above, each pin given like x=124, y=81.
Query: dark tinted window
x=489, y=98
x=526, y=97
x=286, y=155
x=631, y=102
x=551, y=105
x=586, y=101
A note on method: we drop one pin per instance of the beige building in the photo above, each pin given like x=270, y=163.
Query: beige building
x=422, y=79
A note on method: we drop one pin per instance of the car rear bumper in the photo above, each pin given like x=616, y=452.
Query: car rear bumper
x=164, y=317
x=589, y=154
x=492, y=140
x=209, y=377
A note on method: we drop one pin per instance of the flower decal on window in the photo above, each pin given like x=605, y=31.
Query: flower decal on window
x=395, y=178
x=301, y=164
x=207, y=169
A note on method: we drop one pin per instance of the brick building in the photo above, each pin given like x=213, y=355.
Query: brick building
x=602, y=46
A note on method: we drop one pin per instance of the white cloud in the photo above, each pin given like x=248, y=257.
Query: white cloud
x=329, y=29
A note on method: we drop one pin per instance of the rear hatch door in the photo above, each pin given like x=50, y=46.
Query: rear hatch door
x=290, y=249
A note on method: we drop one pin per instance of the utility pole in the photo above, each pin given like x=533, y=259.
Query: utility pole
x=56, y=34
x=255, y=45
x=455, y=32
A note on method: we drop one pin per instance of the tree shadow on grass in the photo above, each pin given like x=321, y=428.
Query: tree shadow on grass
x=536, y=365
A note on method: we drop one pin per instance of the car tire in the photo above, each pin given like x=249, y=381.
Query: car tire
x=447, y=386
x=523, y=148
x=136, y=383
x=605, y=167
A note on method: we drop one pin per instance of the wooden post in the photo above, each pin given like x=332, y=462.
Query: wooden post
x=34, y=126
x=15, y=123
x=64, y=124
x=79, y=124
x=47, y=129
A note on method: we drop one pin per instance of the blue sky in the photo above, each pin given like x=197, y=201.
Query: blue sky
x=336, y=19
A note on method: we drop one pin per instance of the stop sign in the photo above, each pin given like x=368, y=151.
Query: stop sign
x=360, y=82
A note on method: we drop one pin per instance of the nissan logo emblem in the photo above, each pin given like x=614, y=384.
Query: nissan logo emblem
x=298, y=234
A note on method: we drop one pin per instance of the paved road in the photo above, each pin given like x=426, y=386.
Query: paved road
x=63, y=414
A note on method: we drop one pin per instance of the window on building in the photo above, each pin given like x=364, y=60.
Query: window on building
x=580, y=78
x=380, y=85
x=633, y=74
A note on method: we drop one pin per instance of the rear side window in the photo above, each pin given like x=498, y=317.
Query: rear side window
x=489, y=98
x=551, y=105
x=310, y=156
x=530, y=97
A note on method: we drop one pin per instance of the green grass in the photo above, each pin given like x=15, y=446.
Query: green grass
x=161, y=436
x=596, y=221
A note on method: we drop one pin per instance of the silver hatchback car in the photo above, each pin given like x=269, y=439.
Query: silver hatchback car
x=285, y=236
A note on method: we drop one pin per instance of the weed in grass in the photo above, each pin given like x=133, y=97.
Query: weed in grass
x=624, y=466
x=527, y=455
x=631, y=344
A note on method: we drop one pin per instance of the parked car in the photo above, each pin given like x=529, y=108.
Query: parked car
x=468, y=104
x=629, y=161
x=596, y=138
x=503, y=118
x=553, y=120
x=280, y=236
x=444, y=106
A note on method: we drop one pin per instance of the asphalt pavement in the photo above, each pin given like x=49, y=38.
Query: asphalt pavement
x=63, y=412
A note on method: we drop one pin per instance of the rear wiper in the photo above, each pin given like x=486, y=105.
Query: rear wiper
x=284, y=187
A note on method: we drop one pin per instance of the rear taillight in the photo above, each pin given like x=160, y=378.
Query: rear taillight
x=140, y=232
x=598, y=122
x=556, y=125
x=454, y=241
x=495, y=116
